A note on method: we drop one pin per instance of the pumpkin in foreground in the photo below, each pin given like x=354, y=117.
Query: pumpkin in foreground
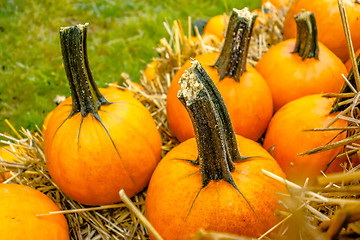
x=287, y=134
x=204, y=182
x=298, y=67
x=245, y=92
x=19, y=206
x=98, y=141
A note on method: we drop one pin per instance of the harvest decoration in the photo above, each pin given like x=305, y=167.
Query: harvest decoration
x=98, y=141
x=310, y=206
x=243, y=89
x=196, y=182
x=303, y=65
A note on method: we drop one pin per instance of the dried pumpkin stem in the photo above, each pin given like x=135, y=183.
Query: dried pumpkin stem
x=232, y=59
x=86, y=97
x=307, y=44
x=205, y=112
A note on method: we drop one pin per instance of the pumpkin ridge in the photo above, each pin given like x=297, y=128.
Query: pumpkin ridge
x=129, y=124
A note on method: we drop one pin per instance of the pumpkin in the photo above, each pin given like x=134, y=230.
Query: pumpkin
x=98, y=141
x=150, y=71
x=204, y=182
x=245, y=92
x=19, y=206
x=5, y=154
x=217, y=26
x=329, y=26
x=286, y=133
x=302, y=66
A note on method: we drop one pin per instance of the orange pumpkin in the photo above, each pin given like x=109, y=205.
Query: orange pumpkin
x=98, y=141
x=277, y=3
x=330, y=28
x=286, y=133
x=19, y=206
x=245, y=92
x=214, y=188
x=217, y=26
x=7, y=156
x=301, y=66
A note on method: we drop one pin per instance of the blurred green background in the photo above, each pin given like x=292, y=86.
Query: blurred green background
x=121, y=38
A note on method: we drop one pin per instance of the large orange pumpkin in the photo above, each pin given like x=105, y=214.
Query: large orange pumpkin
x=245, y=92
x=330, y=28
x=301, y=66
x=19, y=206
x=204, y=182
x=98, y=141
x=286, y=133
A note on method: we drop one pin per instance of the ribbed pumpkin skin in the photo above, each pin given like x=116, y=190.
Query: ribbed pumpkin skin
x=328, y=20
x=289, y=77
x=218, y=207
x=88, y=165
x=249, y=102
x=286, y=133
x=19, y=206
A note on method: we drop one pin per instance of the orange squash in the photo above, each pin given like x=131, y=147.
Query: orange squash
x=7, y=156
x=98, y=141
x=330, y=28
x=245, y=92
x=301, y=66
x=204, y=182
x=217, y=26
x=286, y=133
x=19, y=206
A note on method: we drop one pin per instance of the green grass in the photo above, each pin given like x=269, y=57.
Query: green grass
x=121, y=38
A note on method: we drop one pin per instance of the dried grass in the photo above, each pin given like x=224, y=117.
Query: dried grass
x=306, y=207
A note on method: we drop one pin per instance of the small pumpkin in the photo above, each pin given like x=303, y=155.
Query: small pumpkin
x=245, y=92
x=98, y=141
x=286, y=133
x=217, y=26
x=329, y=26
x=302, y=66
x=5, y=154
x=204, y=182
x=19, y=206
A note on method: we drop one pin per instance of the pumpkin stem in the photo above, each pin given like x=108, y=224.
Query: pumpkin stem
x=214, y=135
x=307, y=44
x=86, y=97
x=232, y=59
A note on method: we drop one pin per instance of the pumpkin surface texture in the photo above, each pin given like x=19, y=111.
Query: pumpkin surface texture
x=298, y=67
x=245, y=92
x=19, y=206
x=98, y=141
x=204, y=182
x=329, y=24
x=286, y=132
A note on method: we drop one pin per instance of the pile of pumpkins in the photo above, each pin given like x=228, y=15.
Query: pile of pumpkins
x=99, y=141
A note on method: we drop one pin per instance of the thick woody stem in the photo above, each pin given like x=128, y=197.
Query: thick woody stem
x=307, y=44
x=232, y=59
